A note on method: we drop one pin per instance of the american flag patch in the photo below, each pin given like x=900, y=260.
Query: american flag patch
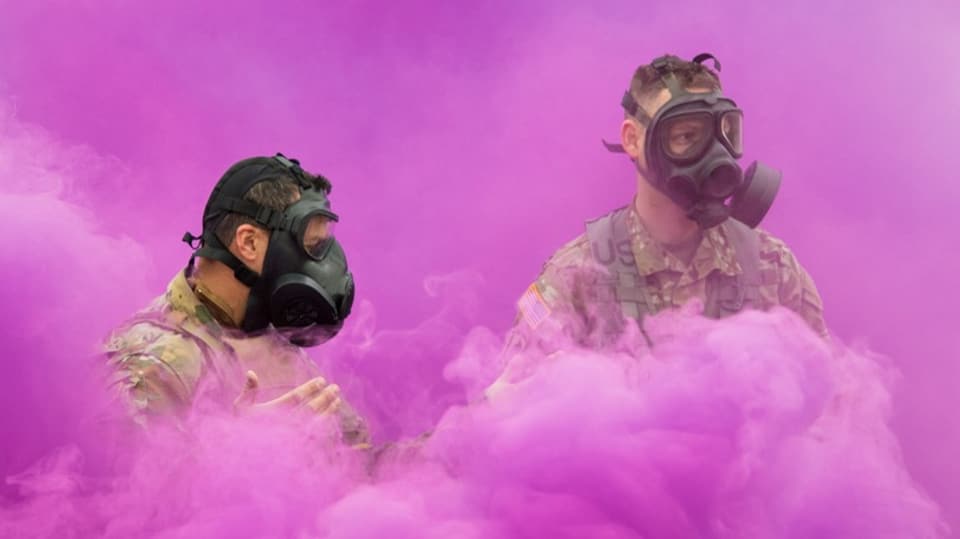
x=532, y=306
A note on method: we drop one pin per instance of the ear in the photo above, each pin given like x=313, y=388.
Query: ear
x=249, y=243
x=631, y=136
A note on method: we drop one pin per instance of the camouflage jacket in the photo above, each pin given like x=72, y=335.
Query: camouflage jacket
x=168, y=353
x=572, y=288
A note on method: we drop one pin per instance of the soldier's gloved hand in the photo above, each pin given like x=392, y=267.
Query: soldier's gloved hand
x=314, y=397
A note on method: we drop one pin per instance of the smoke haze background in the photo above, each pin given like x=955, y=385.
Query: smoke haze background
x=463, y=140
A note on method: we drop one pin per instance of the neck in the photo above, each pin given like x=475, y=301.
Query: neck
x=666, y=222
x=219, y=285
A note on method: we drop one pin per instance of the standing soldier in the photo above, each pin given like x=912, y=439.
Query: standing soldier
x=688, y=233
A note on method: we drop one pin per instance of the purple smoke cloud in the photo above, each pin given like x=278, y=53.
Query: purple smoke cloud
x=746, y=428
x=462, y=139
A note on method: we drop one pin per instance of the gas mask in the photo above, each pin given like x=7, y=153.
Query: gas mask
x=305, y=290
x=692, y=145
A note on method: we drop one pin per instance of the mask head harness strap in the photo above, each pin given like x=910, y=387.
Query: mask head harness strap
x=661, y=65
x=227, y=197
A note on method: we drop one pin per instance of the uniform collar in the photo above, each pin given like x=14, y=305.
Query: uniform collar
x=182, y=298
x=715, y=251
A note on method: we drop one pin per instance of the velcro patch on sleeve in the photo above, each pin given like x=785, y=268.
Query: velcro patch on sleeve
x=532, y=306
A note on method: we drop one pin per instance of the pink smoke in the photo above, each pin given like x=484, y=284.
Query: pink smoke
x=465, y=141
x=751, y=427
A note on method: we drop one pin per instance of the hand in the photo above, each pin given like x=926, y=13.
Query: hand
x=316, y=397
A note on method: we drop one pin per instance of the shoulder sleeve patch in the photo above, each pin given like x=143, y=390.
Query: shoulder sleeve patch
x=532, y=306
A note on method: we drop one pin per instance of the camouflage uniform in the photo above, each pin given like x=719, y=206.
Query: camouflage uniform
x=175, y=349
x=578, y=299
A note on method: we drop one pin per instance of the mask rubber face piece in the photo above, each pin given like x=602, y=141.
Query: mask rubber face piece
x=304, y=286
x=308, y=286
x=692, y=146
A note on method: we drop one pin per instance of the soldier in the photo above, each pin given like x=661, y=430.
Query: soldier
x=688, y=234
x=268, y=278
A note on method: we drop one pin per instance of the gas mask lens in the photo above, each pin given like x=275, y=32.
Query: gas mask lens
x=317, y=236
x=731, y=129
x=687, y=135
